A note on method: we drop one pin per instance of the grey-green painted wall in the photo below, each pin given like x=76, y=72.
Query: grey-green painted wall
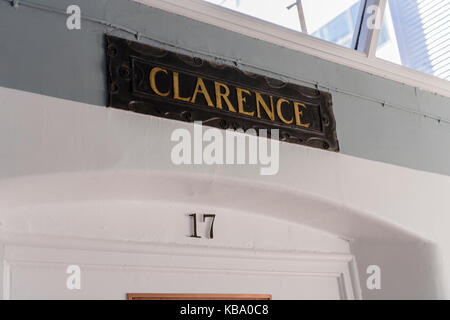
x=39, y=54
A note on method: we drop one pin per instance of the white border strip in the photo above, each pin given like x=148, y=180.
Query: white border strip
x=234, y=21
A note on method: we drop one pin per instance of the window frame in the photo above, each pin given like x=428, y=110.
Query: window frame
x=361, y=57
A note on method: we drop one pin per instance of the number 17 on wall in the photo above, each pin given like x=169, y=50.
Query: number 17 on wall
x=203, y=219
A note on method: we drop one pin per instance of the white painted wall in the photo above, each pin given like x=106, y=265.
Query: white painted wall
x=100, y=182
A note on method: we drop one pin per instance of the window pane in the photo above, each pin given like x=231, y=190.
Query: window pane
x=274, y=11
x=331, y=20
x=416, y=34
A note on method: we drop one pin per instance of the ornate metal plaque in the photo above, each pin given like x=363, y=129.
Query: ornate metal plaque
x=161, y=83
